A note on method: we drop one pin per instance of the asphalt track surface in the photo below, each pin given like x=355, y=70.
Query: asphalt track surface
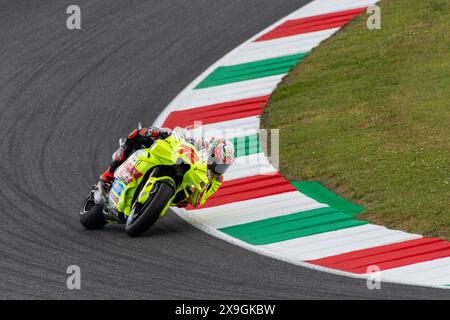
x=65, y=99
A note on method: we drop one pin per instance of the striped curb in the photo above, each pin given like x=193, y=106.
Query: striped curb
x=256, y=208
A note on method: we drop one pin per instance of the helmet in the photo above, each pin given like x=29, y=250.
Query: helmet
x=221, y=155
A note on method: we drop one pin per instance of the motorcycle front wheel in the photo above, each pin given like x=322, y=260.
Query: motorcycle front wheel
x=91, y=215
x=143, y=217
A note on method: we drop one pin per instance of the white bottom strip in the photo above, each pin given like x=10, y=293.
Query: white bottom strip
x=226, y=93
x=261, y=50
x=319, y=7
x=248, y=166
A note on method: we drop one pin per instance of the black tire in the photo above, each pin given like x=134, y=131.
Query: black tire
x=91, y=215
x=150, y=211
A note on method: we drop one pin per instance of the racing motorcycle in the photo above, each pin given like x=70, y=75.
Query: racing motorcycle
x=169, y=173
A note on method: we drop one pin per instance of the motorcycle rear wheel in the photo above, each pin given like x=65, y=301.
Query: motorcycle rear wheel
x=150, y=211
x=91, y=215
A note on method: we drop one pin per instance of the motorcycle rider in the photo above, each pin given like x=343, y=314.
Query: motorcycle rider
x=220, y=155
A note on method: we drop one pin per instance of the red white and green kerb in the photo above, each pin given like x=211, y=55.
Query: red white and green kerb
x=256, y=208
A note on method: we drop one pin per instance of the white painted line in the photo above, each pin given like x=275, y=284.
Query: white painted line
x=248, y=166
x=434, y=272
x=233, y=213
x=319, y=7
x=226, y=93
x=261, y=50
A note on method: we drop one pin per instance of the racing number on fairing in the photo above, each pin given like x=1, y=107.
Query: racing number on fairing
x=188, y=152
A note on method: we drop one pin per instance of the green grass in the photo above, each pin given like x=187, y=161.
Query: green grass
x=367, y=113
